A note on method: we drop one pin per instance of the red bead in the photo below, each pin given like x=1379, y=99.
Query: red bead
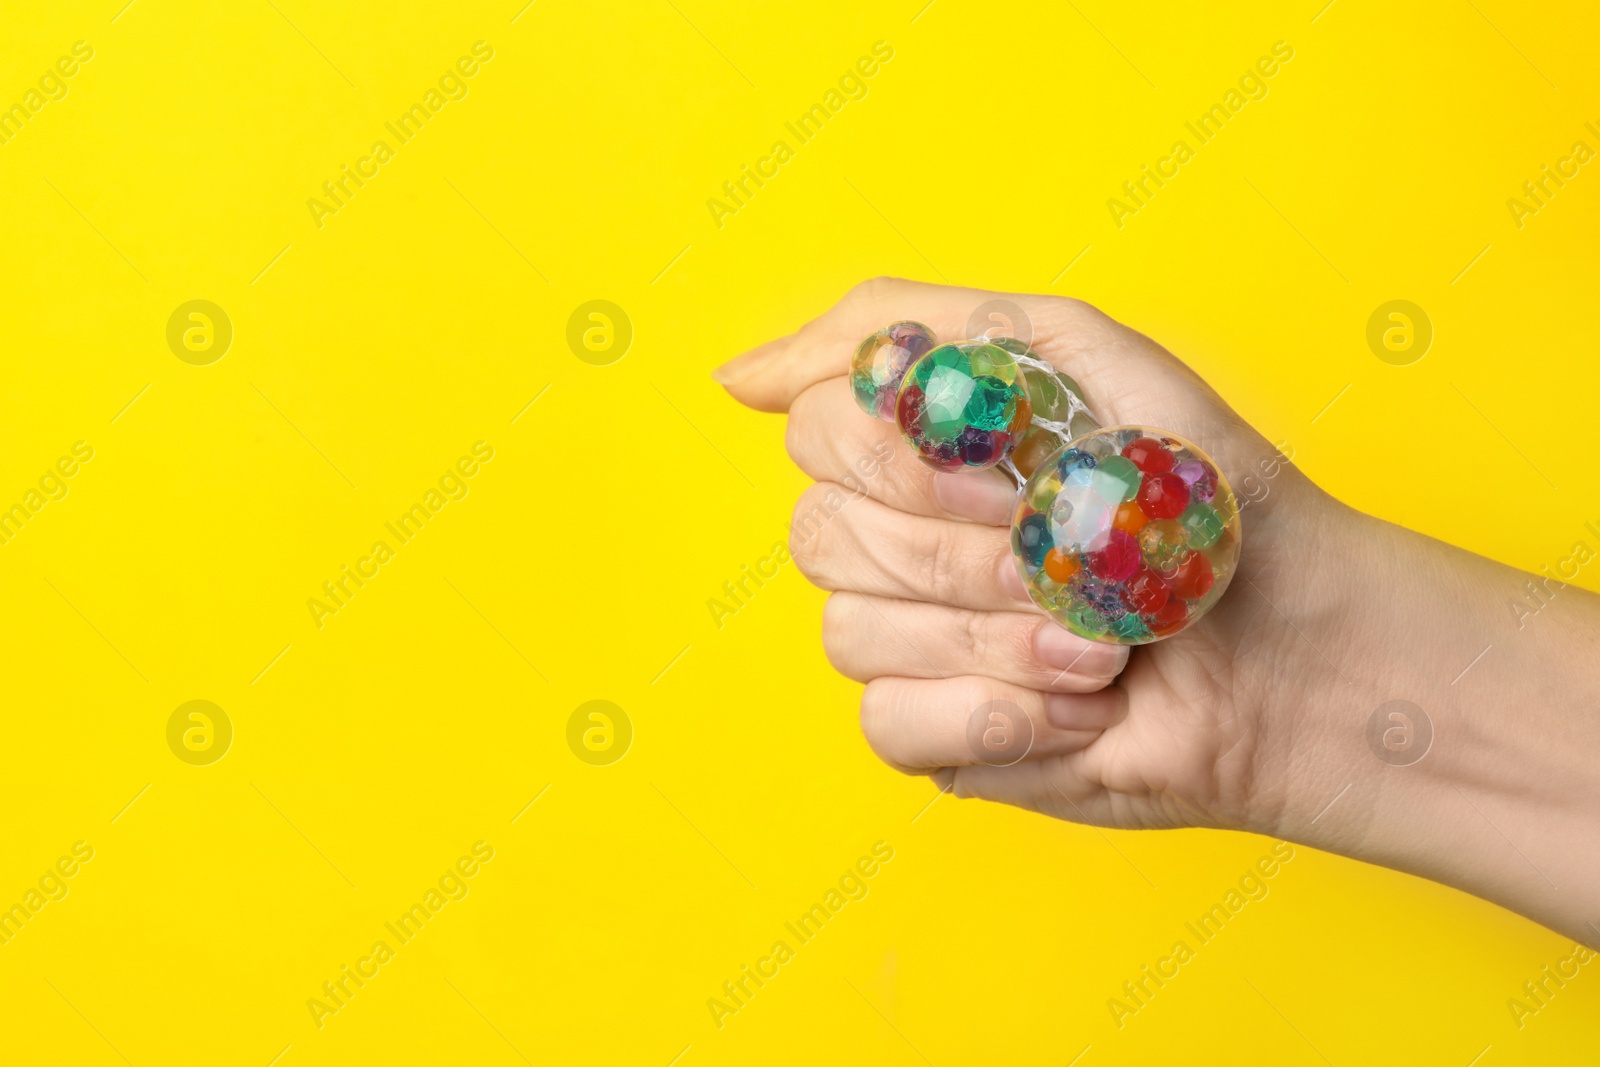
x=1170, y=618
x=1149, y=455
x=1118, y=561
x=1193, y=578
x=1145, y=592
x=1163, y=496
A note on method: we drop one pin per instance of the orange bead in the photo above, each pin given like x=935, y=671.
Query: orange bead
x=1130, y=518
x=1034, y=448
x=1060, y=566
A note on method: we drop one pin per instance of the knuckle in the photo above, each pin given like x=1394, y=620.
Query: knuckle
x=869, y=288
x=794, y=436
x=877, y=703
x=840, y=632
x=951, y=563
x=972, y=635
x=809, y=544
x=801, y=432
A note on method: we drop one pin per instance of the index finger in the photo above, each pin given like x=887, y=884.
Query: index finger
x=770, y=377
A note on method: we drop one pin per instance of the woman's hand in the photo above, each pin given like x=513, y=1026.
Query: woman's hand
x=929, y=612
x=1257, y=717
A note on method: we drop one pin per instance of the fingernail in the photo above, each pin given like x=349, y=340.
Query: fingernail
x=1011, y=581
x=739, y=368
x=978, y=497
x=1084, y=711
x=1065, y=651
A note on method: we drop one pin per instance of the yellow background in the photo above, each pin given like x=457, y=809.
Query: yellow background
x=426, y=315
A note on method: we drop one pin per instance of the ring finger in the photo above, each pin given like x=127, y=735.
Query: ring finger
x=869, y=637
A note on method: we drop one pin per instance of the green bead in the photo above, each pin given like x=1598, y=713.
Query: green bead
x=990, y=361
x=948, y=390
x=1201, y=525
x=1044, y=494
x=1130, y=627
x=1085, y=621
x=1117, y=479
x=992, y=404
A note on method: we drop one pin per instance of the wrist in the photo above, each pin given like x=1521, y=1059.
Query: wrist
x=1435, y=735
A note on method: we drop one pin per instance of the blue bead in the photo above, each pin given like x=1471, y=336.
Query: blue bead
x=1075, y=459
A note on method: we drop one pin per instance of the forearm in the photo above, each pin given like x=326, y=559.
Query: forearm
x=1504, y=801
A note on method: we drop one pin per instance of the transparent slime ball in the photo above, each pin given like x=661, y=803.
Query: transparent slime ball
x=963, y=405
x=881, y=362
x=1126, y=535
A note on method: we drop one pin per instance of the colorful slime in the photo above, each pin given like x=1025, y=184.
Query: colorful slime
x=963, y=406
x=1126, y=535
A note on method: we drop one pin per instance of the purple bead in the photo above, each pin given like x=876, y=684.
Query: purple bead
x=1199, y=477
x=977, y=446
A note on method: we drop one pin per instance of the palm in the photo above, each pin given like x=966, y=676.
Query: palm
x=1183, y=753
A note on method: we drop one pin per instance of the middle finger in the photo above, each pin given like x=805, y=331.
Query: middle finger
x=844, y=541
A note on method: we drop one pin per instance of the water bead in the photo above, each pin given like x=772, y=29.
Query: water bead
x=976, y=448
x=963, y=406
x=1042, y=493
x=880, y=364
x=1099, y=446
x=1163, y=544
x=1200, y=477
x=1163, y=496
x=1131, y=628
x=1061, y=566
x=1035, y=447
x=1193, y=578
x=1171, y=617
x=1030, y=540
x=1148, y=454
x=1120, y=553
x=1072, y=459
x=1080, y=517
x=1145, y=592
x=1130, y=519
x=1118, y=559
x=1202, y=526
x=1117, y=479
x=1051, y=396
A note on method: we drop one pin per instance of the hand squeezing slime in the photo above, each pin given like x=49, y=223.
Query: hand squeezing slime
x=1125, y=535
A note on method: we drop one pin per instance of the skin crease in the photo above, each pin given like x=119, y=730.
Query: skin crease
x=1255, y=718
